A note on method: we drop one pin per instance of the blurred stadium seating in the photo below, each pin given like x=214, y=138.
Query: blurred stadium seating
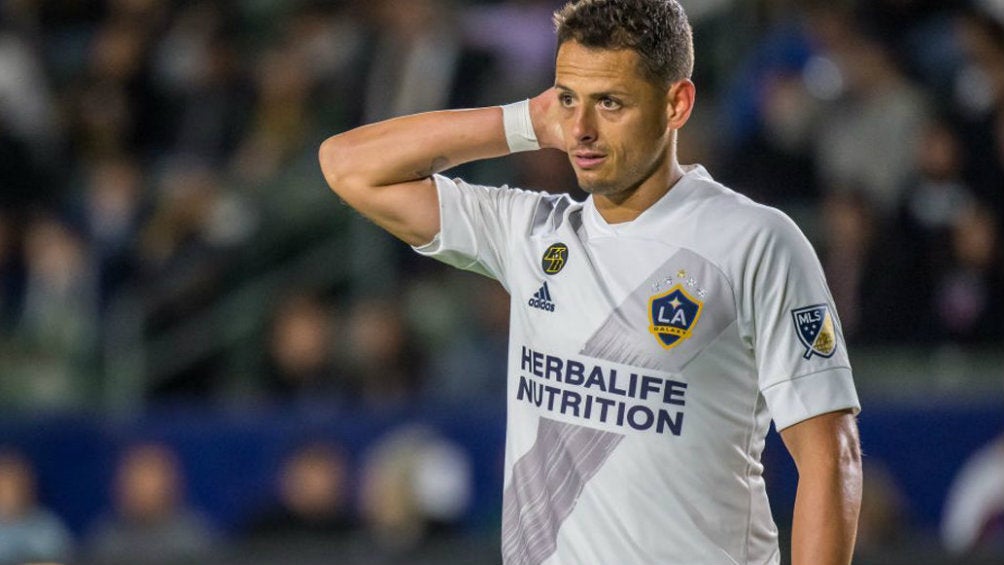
x=173, y=270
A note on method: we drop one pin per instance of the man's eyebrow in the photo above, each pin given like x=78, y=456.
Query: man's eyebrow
x=618, y=93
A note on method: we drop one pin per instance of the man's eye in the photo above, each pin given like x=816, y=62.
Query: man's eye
x=609, y=104
x=565, y=99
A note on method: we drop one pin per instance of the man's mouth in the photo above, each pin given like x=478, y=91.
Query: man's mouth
x=588, y=159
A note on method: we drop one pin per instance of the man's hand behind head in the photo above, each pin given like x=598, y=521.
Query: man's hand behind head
x=544, y=110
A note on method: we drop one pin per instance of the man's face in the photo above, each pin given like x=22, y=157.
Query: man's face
x=613, y=120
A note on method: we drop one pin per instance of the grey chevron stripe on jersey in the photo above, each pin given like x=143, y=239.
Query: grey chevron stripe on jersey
x=545, y=485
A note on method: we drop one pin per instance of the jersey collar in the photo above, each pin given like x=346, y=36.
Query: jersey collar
x=663, y=207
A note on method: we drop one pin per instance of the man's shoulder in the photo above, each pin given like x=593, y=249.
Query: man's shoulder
x=542, y=209
x=717, y=208
x=507, y=190
x=729, y=228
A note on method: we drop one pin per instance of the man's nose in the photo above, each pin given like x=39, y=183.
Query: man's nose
x=584, y=126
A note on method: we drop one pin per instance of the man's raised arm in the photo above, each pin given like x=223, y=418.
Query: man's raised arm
x=384, y=170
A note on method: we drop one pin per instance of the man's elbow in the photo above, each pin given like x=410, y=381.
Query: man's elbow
x=334, y=159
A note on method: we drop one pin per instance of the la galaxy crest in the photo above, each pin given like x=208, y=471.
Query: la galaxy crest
x=672, y=316
x=814, y=326
x=554, y=259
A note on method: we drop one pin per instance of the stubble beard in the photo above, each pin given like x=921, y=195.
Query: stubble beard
x=608, y=187
x=599, y=188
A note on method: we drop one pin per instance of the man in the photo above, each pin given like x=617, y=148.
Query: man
x=656, y=328
x=29, y=532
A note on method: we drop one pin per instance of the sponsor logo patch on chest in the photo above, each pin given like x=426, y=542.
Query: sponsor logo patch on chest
x=554, y=259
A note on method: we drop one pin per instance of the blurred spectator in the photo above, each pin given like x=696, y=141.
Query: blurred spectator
x=28, y=532
x=868, y=136
x=416, y=486
x=312, y=498
x=979, y=101
x=199, y=73
x=185, y=250
x=113, y=212
x=56, y=319
x=385, y=365
x=934, y=201
x=867, y=267
x=967, y=304
x=198, y=210
x=26, y=104
x=28, y=133
x=301, y=368
x=280, y=122
x=783, y=51
x=328, y=40
x=768, y=111
x=973, y=519
x=151, y=517
x=419, y=64
x=920, y=33
x=60, y=295
x=117, y=109
x=938, y=193
x=775, y=164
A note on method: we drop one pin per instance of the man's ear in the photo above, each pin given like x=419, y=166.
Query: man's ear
x=679, y=103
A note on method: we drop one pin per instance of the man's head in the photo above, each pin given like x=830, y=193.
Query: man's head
x=148, y=486
x=622, y=84
x=313, y=481
x=657, y=30
x=17, y=486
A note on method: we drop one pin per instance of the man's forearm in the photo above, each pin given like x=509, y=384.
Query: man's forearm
x=826, y=515
x=383, y=170
x=827, y=452
x=412, y=147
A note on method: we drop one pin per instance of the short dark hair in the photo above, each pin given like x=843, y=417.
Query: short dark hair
x=658, y=30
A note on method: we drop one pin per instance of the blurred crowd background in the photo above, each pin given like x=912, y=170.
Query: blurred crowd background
x=205, y=357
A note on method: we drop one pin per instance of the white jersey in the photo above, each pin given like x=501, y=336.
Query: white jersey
x=646, y=361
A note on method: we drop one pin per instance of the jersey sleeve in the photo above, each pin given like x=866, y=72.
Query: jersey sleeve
x=478, y=225
x=800, y=351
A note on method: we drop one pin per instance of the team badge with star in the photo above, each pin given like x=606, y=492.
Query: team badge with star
x=672, y=316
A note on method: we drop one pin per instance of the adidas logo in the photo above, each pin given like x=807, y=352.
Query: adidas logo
x=542, y=299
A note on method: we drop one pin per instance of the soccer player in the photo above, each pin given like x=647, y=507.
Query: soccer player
x=657, y=328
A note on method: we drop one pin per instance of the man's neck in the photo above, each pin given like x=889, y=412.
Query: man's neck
x=626, y=206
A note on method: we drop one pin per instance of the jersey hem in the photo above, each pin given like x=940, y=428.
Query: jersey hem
x=820, y=392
